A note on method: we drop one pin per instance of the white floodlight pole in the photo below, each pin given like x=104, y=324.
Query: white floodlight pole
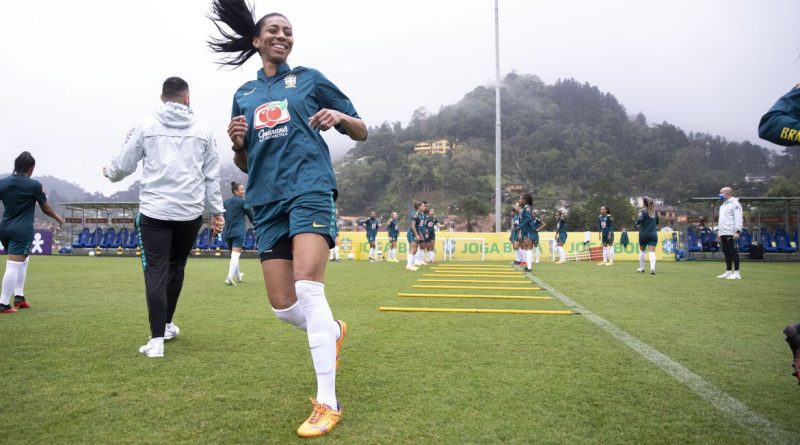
x=497, y=150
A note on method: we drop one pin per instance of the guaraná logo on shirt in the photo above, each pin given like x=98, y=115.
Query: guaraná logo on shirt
x=271, y=114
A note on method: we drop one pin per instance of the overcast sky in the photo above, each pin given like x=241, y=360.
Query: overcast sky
x=76, y=75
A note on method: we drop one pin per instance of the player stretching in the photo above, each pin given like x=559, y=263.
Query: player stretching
x=647, y=223
x=514, y=237
x=432, y=224
x=372, y=227
x=561, y=235
x=606, y=226
x=393, y=230
x=526, y=228
x=414, y=221
x=291, y=187
x=19, y=194
x=235, y=230
x=538, y=226
x=422, y=231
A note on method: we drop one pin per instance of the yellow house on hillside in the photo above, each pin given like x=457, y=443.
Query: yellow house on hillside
x=423, y=148
x=442, y=146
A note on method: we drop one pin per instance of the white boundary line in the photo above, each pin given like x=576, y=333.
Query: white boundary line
x=744, y=416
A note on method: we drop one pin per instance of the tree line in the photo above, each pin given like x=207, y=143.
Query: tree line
x=567, y=142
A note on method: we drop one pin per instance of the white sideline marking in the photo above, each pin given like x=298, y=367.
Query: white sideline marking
x=746, y=418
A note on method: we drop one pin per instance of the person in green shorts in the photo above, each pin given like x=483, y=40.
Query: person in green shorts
x=561, y=235
x=605, y=225
x=19, y=195
x=235, y=230
x=276, y=127
x=647, y=222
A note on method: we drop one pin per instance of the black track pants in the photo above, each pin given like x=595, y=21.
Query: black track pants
x=729, y=249
x=165, y=247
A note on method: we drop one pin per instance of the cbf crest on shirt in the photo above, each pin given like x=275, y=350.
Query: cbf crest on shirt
x=285, y=156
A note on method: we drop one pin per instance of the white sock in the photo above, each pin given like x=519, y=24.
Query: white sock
x=157, y=341
x=293, y=315
x=10, y=278
x=322, y=333
x=536, y=254
x=418, y=256
x=372, y=252
x=605, y=254
x=331, y=256
x=611, y=254
x=233, y=266
x=641, y=259
x=336, y=253
x=561, y=254
x=652, y=260
x=529, y=257
x=19, y=289
x=432, y=255
x=393, y=254
x=409, y=259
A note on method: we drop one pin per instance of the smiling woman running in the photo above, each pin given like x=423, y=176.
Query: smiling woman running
x=275, y=130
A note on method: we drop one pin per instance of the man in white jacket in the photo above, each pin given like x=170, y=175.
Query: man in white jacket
x=180, y=177
x=730, y=227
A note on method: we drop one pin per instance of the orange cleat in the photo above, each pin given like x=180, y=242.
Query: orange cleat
x=322, y=420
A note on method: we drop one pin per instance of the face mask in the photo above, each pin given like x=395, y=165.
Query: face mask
x=721, y=197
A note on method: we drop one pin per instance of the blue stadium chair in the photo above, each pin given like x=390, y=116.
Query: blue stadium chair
x=782, y=241
x=709, y=240
x=90, y=243
x=766, y=241
x=695, y=245
x=218, y=241
x=83, y=239
x=745, y=240
x=249, y=240
x=96, y=238
x=108, y=239
x=202, y=239
x=122, y=238
x=133, y=242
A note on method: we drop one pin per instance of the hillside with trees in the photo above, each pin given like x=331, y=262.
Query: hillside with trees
x=567, y=142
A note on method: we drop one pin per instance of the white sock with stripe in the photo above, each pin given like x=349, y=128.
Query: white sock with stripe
x=10, y=278
x=322, y=333
x=293, y=315
x=19, y=289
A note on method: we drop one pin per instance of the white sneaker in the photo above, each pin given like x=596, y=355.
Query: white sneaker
x=536, y=262
x=153, y=349
x=734, y=276
x=640, y=270
x=411, y=268
x=241, y=276
x=725, y=275
x=171, y=330
x=229, y=282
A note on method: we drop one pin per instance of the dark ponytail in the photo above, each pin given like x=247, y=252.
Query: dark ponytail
x=236, y=15
x=528, y=198
x=23, y=163
x=234, y=186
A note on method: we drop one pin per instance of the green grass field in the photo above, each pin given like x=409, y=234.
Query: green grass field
x=72, y=373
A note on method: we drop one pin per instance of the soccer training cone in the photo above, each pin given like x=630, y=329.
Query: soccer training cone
x=119, y=250
x=217, y=252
